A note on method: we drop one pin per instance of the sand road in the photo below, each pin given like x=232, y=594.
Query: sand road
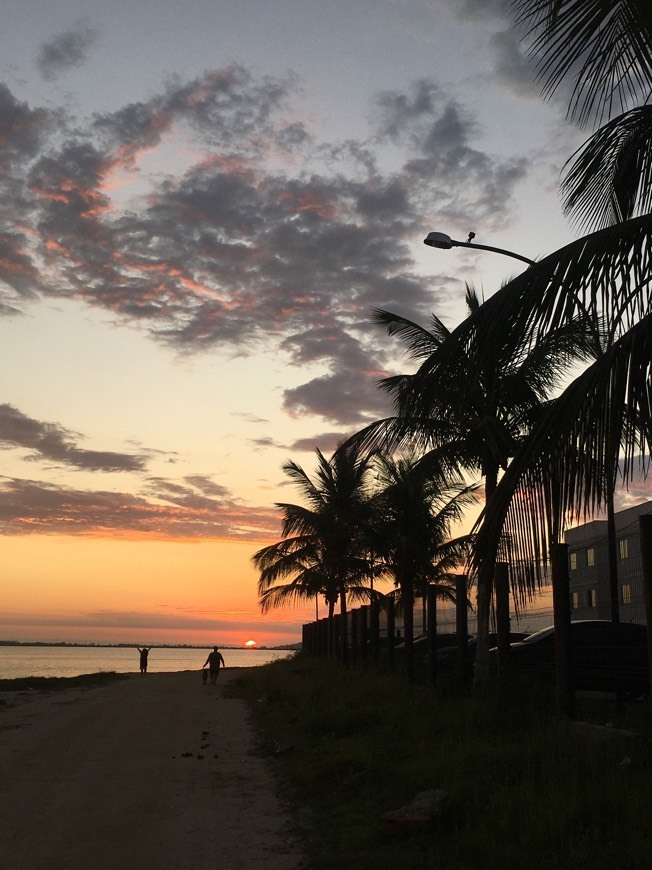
x=154, y=772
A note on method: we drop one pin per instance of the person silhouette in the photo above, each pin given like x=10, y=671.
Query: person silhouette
x=144, y=652
x=214, y=661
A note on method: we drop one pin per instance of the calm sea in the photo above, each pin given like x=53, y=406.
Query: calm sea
x=55, y=661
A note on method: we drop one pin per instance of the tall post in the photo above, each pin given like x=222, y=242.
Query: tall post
x=461, y=632
x=375, y=630
x=501, y=586
x=355, y=650
x=332, y=647
x=562, y=617
x=645, y=532
x=337, y=636
x=431, y=618
x=407, y=601
x=324, y=636
x=612, y=557
x=344, y=636
x=364, y=634
x=391, y=632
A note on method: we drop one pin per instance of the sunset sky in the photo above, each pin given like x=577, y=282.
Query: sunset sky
x=202, y=203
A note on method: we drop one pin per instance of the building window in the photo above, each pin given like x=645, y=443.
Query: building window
x=590, y=556
x=623, y=548
x=573, y=561
x=575, y=600
x=591, y=598
x=626, y=593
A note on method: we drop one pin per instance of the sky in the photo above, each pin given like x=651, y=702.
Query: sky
x=201, y=205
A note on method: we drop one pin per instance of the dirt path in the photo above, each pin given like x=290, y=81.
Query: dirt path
x=154, y=772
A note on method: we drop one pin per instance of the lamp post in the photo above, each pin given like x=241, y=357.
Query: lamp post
x=562, y=614
x=444, y=242
x=441, y=240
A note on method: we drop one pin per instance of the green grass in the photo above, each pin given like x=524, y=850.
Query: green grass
x=56, y=684
x=522, y=791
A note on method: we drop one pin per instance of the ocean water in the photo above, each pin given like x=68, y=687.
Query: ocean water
x=56, y=661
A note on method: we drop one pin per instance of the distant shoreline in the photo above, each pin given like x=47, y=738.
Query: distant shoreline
x=89, y=645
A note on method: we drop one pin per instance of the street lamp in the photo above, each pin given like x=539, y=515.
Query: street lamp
x=441, y=240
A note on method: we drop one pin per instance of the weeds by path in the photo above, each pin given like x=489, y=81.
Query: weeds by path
x=522, y=792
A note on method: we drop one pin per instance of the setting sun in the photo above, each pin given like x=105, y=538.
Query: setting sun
x=250, y=644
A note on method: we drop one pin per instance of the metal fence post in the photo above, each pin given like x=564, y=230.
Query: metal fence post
x=562, y=614
x=462, y=632
x=501, y=586
x=645, y=531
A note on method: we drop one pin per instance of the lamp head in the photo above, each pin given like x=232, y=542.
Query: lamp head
x=438, y=240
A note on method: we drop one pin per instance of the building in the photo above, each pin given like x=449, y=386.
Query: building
x=589, y=567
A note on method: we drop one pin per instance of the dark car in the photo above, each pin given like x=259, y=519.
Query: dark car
x=604, y=656
x=447, y=654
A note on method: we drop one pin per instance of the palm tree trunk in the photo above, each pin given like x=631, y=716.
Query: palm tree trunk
x=485, y=584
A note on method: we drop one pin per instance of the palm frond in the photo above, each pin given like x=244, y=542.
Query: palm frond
x=605, y=277
x=599, y=428
x=604, y=45
x=420, y=341
x=281, y=596
x=610, y=177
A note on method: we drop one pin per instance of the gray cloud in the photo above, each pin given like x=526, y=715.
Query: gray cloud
x=512, y=68
x=327, y=442
x=348, y=398
x=446, y=173
x=267, y=237
x=166, y=511
x=473, y=9
x=65, y=51
x=51, y=442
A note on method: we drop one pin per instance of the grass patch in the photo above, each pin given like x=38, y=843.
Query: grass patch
x=521, y=790
x=57, y=684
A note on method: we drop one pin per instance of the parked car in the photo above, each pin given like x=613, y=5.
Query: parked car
x=604, y=656
x=447, y=655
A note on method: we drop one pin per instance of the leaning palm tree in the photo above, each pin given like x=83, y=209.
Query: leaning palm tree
x=414, y=511
x=324, y=548
x=606, y=46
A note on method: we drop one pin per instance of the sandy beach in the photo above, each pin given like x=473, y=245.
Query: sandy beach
x=154, y=772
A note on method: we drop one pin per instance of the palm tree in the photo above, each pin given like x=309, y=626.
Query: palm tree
x=324, y=549
x=414, y=511
x=474, y=398
x=571, y=464
x=607, y=47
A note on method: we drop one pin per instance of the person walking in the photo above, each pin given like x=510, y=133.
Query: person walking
x=214, y=662
x=144, y=652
